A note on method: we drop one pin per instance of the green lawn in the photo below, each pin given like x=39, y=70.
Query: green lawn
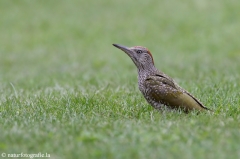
x=66, y=91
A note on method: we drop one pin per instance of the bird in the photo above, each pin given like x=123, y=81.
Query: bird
x=160, y=90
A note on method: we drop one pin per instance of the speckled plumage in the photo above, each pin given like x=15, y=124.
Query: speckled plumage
x=157, y=88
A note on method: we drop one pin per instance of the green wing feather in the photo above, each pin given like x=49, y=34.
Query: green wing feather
x=165, y=91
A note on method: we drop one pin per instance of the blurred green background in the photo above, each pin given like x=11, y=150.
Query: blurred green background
x=74, y=39
x=56, y=57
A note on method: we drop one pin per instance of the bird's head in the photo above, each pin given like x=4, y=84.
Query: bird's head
x=141, y=56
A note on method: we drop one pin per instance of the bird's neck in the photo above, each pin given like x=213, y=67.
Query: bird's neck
x=144, y=72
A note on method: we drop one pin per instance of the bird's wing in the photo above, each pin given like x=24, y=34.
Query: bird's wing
x=164, y=90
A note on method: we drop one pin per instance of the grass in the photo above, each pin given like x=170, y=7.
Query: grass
x=66, y=91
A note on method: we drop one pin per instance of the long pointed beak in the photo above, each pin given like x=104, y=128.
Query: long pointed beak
x=123, y=48
x=128, y=51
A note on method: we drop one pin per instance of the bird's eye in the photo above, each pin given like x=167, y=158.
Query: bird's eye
x=139, y=51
